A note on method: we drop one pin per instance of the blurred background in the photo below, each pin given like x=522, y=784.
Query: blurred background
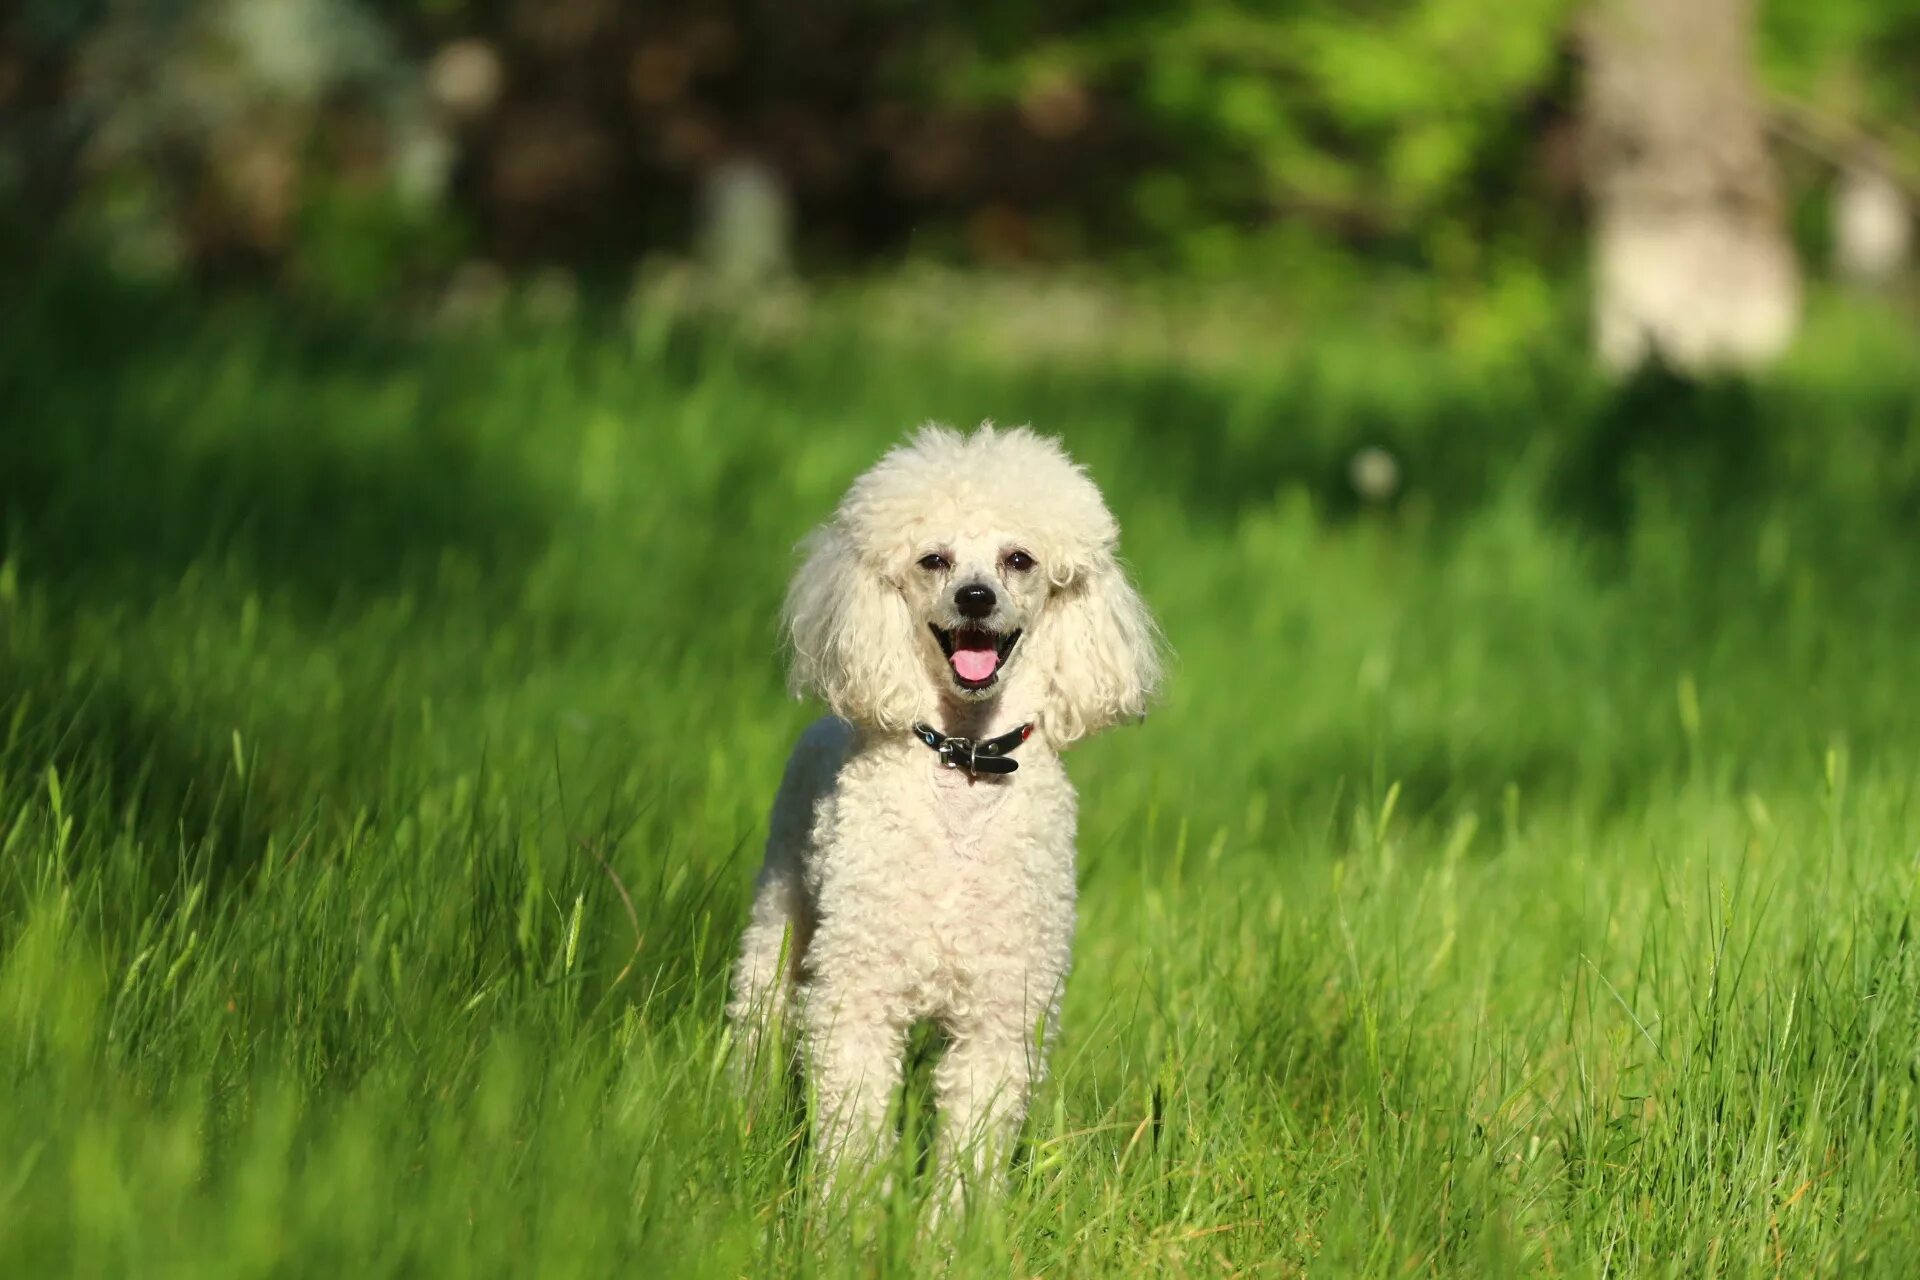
x=443, y=153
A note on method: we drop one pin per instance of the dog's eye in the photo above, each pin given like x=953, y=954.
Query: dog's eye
x=1019, y=561
x=934, y=562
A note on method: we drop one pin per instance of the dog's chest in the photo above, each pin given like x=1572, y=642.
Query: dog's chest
x=967, y=811
x=904, y=830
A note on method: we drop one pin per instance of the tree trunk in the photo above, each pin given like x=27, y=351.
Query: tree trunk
x=1691, y=260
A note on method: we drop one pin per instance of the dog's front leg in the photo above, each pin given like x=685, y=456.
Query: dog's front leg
x=982, y=1086
x=856, y=1038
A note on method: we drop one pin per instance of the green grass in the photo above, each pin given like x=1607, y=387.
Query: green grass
x=1518, y=879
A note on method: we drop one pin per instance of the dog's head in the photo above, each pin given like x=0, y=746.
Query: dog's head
x=966, y=568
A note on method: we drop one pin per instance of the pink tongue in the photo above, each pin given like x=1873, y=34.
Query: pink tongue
x=975, y=664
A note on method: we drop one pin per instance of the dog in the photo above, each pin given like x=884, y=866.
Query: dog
x=965, y=619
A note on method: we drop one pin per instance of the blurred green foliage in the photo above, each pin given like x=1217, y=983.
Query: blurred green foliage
x=1385, y=119
x=1437, y=133
x=1230, y=136
x=1857, y=59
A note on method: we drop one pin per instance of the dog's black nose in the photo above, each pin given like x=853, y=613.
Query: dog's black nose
x=975, y=600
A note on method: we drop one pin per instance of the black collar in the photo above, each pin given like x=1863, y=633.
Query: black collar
x=975, y=757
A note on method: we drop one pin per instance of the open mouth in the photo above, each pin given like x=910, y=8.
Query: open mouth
x=975, y=653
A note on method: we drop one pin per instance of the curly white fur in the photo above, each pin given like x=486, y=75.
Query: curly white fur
x=896, y=890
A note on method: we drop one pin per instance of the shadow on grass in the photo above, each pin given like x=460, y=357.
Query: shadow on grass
x=136, y=445
x=1441, y=780
x=125, y=764
x=150, y=436
x=1711, y=436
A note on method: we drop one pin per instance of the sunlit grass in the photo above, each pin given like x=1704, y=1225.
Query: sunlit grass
x=1519, y=878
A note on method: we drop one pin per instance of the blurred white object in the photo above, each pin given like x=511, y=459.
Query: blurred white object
x=746, y=222
x=465, y=79
x=297, y=50
x=1872, y=225
x=1692, y=263
x=1374, y=474
x=1700, y=289
x=422, y=159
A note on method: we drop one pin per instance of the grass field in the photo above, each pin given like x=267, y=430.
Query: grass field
x=1519, y=878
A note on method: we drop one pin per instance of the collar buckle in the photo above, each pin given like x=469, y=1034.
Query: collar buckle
x=976, y=758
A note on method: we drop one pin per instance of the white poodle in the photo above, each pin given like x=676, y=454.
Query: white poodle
x=964, y=617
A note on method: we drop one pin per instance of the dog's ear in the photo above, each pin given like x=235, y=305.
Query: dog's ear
x=852, y=636
x=1101, y=650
